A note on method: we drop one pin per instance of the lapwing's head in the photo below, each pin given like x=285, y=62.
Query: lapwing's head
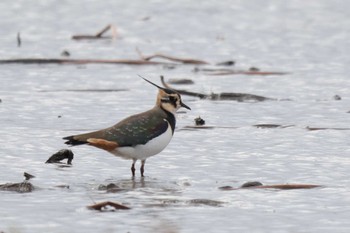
x=168, y=99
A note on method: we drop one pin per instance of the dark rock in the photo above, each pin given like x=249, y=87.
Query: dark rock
x=23, y=187
x=61, y=155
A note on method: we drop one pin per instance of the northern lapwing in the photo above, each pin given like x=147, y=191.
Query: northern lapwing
x=139, y=136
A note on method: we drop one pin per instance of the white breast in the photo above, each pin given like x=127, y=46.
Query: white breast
x=142, y=152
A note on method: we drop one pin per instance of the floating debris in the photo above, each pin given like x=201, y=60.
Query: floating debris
x=226, y=63
x=336, y=97
x=199, y=121
x=61, y=155
x=171, y=58
x=98, y=35
x=180, y=81
x=28, y=176
x=19, y=41
x=254, y=69
x=240, y=97
x=110, y=188
x=270, y=126
x=86, y=90
x=257, y=184
x=65, y=53
x=207, y=202
x=325, y=128
x=103, y=206
x=251, y=184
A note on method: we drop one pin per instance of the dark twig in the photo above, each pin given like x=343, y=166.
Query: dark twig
x=171, y=58
x=63, y=61
x=99, y=34
x=100, y=206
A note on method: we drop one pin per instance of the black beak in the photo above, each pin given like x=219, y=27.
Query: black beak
x=184, y=105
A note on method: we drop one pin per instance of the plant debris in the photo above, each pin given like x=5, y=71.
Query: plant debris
x=325, y=128
x=61, y=155
x=98, y=35
x=270, y=126
x=180, y=81
x=28, y=176
x=240, y=97
x=207, y=202
x=199, y=121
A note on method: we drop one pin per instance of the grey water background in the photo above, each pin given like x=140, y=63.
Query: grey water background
x=309, y=39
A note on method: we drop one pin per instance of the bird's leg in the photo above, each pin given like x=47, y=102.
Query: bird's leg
x=133, y=167
x=142, y=169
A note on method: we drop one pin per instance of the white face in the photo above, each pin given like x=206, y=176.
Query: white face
x=171, y=102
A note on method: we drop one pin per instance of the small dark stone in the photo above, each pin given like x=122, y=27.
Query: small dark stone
x=59, y=116
x=60, y=155
x=199, y=121
x=226, y=63
x=251, y=184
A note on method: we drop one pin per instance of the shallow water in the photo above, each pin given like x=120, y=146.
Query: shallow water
x=180, y=192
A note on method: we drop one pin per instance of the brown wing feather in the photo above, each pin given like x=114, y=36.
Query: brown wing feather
x=102, y=144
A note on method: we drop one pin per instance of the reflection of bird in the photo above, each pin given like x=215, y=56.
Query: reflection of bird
x=139, y=136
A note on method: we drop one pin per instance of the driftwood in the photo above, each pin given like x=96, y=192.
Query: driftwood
x=103, y=205
x=270, y=126
x=240, y=97
x=171, y=58
x=99, y=34
x=63, y=61
x=324, y=128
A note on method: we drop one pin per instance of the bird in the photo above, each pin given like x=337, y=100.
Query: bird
x=139, y=136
